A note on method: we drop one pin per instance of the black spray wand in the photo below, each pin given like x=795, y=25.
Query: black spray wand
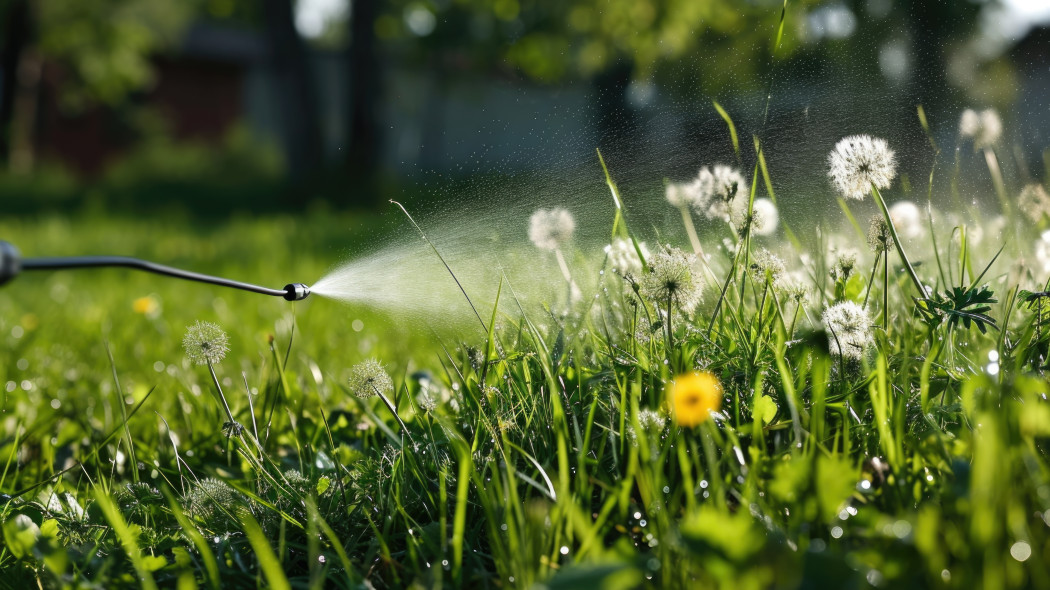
x=12, y=263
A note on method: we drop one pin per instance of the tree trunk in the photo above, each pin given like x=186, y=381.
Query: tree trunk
x=296, y=95
x=365, y=91
x=16, y=37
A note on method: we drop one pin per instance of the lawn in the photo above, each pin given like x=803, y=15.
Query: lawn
x=783, y=413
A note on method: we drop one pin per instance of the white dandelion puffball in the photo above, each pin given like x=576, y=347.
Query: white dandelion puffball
x=728, y=182
x=849, y=329
x=549, y=229
x=682, y=194
x=1034, y=202
x=1042, y=250
x=369, y=378
x=674, y=276
x=984, y=128
x=623, y=258
x=205, y=343
x=969, y=123
x=907, y=218
x=766, y=217
x=858, y=162
x=718, y=188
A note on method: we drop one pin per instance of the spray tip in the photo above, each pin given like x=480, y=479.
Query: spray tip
x=296, y=291
x=10, y=261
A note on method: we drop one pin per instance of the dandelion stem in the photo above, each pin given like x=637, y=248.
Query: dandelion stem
x=393, y=411
x=218, y=388
x=667, y=323
x=897, y=242
x=997, y=179
x=690, y=230
x=871, y=278
x=573, y=289
x=886, y=292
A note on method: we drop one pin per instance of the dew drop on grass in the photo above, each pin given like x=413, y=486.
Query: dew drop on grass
x=946, y=576
x=667, y=490
x=1020, y=551
x=836, y=532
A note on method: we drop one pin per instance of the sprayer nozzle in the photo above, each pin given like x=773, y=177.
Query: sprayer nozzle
x=296, y=291
x=10, y=261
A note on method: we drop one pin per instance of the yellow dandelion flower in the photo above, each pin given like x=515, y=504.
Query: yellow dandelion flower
x=147, y=305
x=693, y=396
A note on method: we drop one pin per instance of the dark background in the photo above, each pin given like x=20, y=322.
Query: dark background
x=211, y=107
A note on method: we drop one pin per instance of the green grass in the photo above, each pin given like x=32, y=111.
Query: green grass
x=526, y=455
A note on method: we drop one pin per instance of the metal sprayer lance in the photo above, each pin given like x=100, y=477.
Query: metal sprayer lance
x=12, y=263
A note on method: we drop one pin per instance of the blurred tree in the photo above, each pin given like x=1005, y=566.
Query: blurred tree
x=690, y=48
x=295, y=87
x=15, y=25
x=365, y=84
x=102, y=48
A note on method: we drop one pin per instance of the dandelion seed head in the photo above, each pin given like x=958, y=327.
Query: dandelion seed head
x=727, y=182
x=766, y=217
x=849, y=329
x=651, y=422
x=683, y=194
x=969, y=123
x=845, y=265
x=1042, y=250
x=879, y=238
x=205, y=343
x=985, y=127
x=623, y=257
x=673, y=276
x=907, y=218
x=550, y=229
x=369, y=378
x=210, y=498
x=717, y=188
x=1034, y=202
x=767, y=267
x=858, y=162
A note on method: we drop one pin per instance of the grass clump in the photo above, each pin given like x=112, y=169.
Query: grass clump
x=755, y=413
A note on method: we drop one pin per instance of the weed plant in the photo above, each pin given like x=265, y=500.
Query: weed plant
x=711, y=417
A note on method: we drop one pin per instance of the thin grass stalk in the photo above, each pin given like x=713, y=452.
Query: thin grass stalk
x=897, y=242
x=871, y=277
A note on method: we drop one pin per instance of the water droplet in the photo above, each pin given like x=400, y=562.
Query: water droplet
x=1020, y=551
x=836, y=532
x=564, y=550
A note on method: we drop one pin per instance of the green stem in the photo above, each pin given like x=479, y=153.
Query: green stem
x=393, y=411
x=897, y=242
x=997, y=180
x=690, y=230
x=852, y=220
x=886, y=293
x=218, y=388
